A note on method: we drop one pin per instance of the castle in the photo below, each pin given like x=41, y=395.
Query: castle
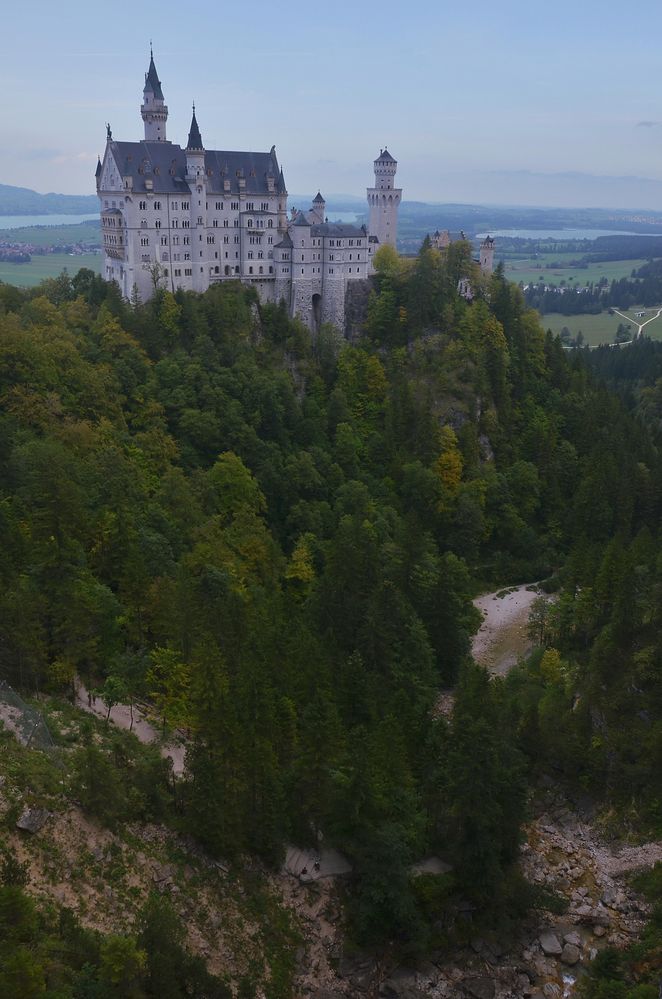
x=189, y=218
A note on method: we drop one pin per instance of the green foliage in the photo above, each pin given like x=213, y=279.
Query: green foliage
x=278, y=541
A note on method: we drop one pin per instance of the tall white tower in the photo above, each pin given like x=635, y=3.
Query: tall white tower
x=384, y=200
x=153, y=109
x=487, y=255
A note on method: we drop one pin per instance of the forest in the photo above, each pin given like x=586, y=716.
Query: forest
x=276, y=538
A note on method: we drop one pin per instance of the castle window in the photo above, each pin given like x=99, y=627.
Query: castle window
x=199, y=219
x=265, y=206
x=175, y=240
x=225, y=223
x=215, y=224
x=234, y=205
x=250, y=206
x=302, y=270
x=261, y=270
x=142, y=205
x=187, y=240
x=226, y=239
x=143, y=223
x=188, y=271
x=144, y=240
x=164, y=240
x=330, y=270
x=186, y=224
x=270, y=240
x=236, y=240
x=236, y=270
x=157, y=206
x=145, y=258
x=260, y=255
x=236, y=223
x=187, y=256
x=185, y=206
x=271, y=270
x=270, y=224
x=250, y=254
x=166, y=271
x=250, y=270
x=174, y=206
x=178, y=272
x=157, y=224
x=249, y=223
x=174, y=224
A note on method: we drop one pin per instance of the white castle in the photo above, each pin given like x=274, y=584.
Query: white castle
x=189, y=218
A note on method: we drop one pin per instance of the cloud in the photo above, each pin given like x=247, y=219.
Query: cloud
x=648, y=124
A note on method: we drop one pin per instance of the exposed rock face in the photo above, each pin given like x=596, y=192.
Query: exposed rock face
x=570, y=954
x=480, y=988
x=550, y=944
x=33, y=819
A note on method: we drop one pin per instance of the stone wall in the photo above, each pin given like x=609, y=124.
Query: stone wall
x=356, y=308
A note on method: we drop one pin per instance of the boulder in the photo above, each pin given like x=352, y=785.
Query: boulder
x=480, y=987
x=573, y=938
x=550, y=943
x=570, y=954
x=599, y=931
x=33, y=819
x=551, y=990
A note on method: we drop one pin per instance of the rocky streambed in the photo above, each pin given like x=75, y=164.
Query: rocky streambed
x=563, y=853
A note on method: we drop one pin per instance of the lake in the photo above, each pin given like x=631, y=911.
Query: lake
x=23, y=221
x=562, y=233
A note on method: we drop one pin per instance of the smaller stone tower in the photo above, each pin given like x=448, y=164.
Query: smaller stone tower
x=153, y=109
x=195, y=153
x=384, y=200
x=319, y=207
x=487, y=255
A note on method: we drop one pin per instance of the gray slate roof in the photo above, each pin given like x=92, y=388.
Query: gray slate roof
x=152, y=81
x=385, y=155
x=339, y=229
x=285, y=243
x=164, y=163
x=194, y=137
x=318, y=199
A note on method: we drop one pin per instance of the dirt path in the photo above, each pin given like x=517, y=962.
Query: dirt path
x=502, y=638
x=121, y=715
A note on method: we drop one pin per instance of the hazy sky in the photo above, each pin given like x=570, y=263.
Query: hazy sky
x=500, y=101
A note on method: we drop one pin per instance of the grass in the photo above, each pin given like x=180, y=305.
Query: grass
x=532, y=269
x=48, y=266
x=601, y=328
x=54, y=235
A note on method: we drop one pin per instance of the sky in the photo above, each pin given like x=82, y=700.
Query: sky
x=499, y=102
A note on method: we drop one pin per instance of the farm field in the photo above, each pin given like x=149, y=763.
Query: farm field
x=533, y=269
x=601, y=328
x=54, y=235
x=48, y=266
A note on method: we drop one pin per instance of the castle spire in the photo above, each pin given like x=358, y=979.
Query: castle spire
x=194, y=137
x=153, y=110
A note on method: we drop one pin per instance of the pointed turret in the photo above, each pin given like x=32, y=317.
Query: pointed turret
x=153, y=109
x=152, y=81
x=194, y=137
x=319, y=207
x=195, y=153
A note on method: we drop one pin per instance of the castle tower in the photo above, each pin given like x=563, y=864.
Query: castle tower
x=195, y=153
x=384, y=200
x=318, y=207
x=487, y=255
x=153, y=109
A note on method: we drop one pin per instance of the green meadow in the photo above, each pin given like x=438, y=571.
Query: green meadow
x=601, y=328
x=48, y=266
x=532, y=270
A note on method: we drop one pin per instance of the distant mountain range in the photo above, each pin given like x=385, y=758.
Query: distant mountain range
x=23, y=201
